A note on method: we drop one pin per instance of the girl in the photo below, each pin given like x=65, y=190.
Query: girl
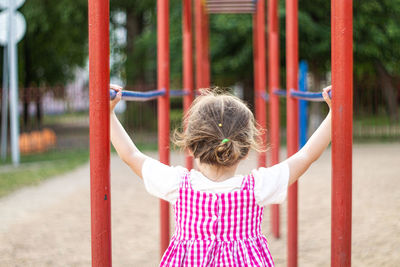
x=218, y=214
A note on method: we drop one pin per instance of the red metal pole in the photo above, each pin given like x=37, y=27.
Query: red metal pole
x=187, y=63
x=273, y=68
x=163, y=108
x=206, y=46
x=256, y=71
x=260, y=76
x=199, y=44
x=202, y=46
x=99, y=113
x=342, y=130
x=292, y=120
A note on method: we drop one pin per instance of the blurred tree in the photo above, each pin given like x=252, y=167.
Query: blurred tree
x=377, y=49
x=140, y=20
x=376, y=46
x=140, y=66
x=376, y=31
x=140, y=50
x=56, y=42
x=54, y=45
x=139, y=24
x=231, y=46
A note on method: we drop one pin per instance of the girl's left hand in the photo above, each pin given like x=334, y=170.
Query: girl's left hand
x=325, y=94
x=114, y=102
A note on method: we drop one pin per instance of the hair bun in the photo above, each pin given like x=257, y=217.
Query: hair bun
x=227, y=153
x=211, y=120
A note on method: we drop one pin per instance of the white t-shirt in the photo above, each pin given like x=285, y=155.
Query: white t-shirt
x=163, y=181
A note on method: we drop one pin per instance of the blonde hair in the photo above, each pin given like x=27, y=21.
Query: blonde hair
x=220, y=129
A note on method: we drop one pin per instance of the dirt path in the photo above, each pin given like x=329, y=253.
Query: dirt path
x=49, y=225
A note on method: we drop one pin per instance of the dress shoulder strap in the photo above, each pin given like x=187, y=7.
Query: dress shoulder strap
x=248, y=182
x=185, y=180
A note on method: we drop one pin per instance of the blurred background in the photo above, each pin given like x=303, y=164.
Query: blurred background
x=53, y=69
x=53, y=104
x=53, y=74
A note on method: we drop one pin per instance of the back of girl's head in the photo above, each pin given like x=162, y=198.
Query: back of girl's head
x=220, y=129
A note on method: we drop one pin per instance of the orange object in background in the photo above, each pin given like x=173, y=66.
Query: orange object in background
x=49, y=137
x=37, y=141
x=24, y=144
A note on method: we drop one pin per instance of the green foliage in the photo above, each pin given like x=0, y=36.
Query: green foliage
x=377, y=36
x=314, y=33
x=176, y=116
x=137, y=6
x=231, y=46
x=376, y=28
x=55, y=41
x=139, y=64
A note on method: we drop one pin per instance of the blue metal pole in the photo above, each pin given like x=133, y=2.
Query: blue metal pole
x=13, y=80
x=303, y=68
x=4, y=106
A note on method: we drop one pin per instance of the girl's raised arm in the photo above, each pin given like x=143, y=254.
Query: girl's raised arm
x=312, y=150
x=123, y=144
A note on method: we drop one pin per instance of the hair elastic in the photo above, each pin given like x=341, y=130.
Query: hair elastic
x=224, y=141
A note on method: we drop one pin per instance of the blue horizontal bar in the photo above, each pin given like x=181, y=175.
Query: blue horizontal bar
x=265, y=96
x=280, y=92
x=309, y=96
x=178, y=92
x=138, y=96
x=144, y=96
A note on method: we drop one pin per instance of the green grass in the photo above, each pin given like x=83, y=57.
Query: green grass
x=375, y=139
x=380, y=120
x=57, y=119
x=145, y=146
x=36, y=168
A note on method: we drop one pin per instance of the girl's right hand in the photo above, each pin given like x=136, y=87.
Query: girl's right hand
x=117, y=98
x=325, y=94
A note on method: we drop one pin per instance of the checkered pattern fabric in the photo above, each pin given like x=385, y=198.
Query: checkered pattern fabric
x=217, y=229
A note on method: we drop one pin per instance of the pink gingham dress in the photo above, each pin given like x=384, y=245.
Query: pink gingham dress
x=217, y=229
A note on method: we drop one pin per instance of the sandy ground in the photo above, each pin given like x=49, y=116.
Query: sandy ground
x=49, y=225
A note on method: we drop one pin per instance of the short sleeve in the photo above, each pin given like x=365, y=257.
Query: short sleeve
x=161, y=180
x=271, y=184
